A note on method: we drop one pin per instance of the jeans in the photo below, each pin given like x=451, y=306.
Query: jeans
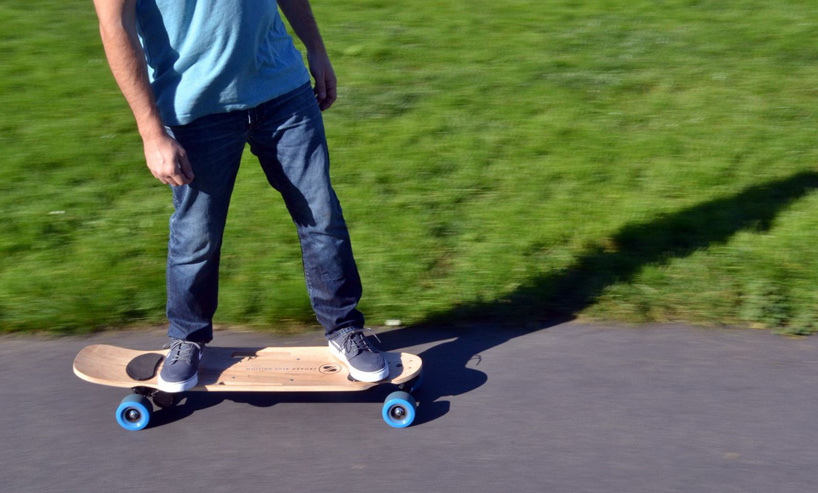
x=287, y=136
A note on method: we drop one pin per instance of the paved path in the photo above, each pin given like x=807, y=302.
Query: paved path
x=569, y=408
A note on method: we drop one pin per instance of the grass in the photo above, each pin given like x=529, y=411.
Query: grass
x=629, y=161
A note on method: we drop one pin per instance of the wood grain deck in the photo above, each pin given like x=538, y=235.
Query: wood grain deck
x=272, y=369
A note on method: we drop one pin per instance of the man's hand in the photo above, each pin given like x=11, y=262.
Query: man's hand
x=325, y=82
x=299, y=13
x=167, y=160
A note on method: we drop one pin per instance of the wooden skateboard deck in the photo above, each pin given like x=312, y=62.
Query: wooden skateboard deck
x=235, y=369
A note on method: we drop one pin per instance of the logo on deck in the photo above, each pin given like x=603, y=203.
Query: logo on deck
x=329, y=368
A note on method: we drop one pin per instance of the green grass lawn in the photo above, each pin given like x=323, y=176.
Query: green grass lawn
x=619, y=160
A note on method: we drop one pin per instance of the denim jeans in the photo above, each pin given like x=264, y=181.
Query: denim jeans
x=287, y=136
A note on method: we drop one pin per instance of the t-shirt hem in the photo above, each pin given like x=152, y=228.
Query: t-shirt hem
x=179, y=119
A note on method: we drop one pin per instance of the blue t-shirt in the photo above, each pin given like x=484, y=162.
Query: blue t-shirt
x=214, y=56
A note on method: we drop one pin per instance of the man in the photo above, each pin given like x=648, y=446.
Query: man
x=203, y=78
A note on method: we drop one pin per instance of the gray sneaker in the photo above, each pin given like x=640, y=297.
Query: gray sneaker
x=366, y=364
x=179, y=372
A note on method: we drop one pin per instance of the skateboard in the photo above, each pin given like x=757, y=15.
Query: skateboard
x=240, y=369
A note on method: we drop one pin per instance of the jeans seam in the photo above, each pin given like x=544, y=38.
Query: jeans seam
x=307, y=279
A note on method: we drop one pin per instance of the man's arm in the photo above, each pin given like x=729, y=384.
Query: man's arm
x=165, y=158
x=299, y=14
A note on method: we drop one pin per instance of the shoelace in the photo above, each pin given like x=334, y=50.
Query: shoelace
x=182, y=351
x=351, y=339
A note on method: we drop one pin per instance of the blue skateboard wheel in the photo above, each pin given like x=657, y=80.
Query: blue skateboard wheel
x=134, y=412
x=399, y=409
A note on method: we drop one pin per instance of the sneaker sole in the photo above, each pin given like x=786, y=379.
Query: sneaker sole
x=361, y=376
x=174, y=387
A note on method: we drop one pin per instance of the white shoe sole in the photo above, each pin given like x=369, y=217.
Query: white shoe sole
x=174, y=387
x=361, y=376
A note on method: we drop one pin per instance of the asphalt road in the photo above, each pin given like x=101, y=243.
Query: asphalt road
x=567, y=408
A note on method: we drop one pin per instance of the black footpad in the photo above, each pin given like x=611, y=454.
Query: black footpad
x=144, y=366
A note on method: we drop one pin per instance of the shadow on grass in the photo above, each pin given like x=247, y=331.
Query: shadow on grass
x=451, y=368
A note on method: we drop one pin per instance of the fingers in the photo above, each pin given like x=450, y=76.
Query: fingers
x=173, y=181
x=182, y=173
x=183, y=165
x=325, y=81
x=320, y=91
x=171, y=178
x=326, y=91
x=168, y=162
x=332, y=94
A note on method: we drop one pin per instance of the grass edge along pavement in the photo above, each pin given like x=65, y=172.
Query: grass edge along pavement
x=562, y=295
